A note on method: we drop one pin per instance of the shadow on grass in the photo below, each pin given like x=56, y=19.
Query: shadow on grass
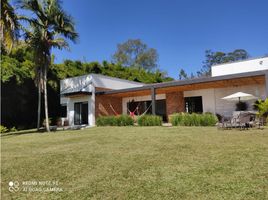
x=22, y=132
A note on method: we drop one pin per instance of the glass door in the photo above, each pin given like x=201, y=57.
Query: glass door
x=80, y=113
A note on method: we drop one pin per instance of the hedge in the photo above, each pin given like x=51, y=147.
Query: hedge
x=149, y=120
x=121, y=120
x=186, y=119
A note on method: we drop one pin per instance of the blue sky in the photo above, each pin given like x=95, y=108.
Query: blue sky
x=180, y=30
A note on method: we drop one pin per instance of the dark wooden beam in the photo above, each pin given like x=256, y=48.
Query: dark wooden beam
x=153, y=100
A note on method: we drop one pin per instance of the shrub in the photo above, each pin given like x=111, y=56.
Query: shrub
x=13, y=129
x=3, y=129
x=125, y=120
x=186, y=119
x=121, y=120
x=149, y=120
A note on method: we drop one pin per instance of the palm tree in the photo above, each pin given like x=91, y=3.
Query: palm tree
x=9, y=25
x=49, y=27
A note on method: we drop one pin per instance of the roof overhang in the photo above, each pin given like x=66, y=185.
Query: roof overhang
x=78, y=93
x=248, y=78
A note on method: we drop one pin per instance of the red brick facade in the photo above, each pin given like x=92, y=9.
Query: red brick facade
x=106, y=106
x=174, y=102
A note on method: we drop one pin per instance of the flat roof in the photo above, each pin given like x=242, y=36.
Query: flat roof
x=186, y=82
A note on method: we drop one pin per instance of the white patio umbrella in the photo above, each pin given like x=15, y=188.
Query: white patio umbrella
x=240, y=96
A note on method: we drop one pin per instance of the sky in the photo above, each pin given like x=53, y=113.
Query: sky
x=180, y=30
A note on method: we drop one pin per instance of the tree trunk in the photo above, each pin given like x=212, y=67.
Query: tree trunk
x=45, y=98
x=39, y=105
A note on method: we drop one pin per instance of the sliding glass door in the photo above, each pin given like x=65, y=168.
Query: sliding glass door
x=80, y=113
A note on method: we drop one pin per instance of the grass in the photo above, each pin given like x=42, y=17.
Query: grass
x=139, y=163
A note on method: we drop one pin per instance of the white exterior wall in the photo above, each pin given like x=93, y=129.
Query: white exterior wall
x=208, y=98
x=213, y=102
x=139, y=98
x=226, y=108
x=240, y=67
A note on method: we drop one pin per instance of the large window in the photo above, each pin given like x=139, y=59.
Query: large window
x=145, y=107
x=193, y=104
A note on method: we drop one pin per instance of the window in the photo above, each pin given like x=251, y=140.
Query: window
x=63, y=111
x=193, y=104
x=140, y=107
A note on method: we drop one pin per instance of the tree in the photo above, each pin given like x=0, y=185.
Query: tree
x=49, y=27
x=135, y=53
x=9, y=25
x=182, y=75
x=218, y=57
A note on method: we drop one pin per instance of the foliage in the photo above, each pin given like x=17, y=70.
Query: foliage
x=13, y=129
x=241, y=106
x=262, y=106
x=9, y=25
x=149, y=120
x=49, y=26
x=183, y=75
x=135, y=53
x=71, y=68
x=186, y=119
x=121, y=120
x=17, y=64
x=218, y=57
x=3, y=129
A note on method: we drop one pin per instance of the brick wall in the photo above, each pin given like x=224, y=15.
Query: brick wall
x=106, y=106
x=174, y=102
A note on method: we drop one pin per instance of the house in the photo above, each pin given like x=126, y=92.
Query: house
x=84, y=98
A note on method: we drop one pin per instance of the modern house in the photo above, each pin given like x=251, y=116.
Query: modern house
x=84, y=98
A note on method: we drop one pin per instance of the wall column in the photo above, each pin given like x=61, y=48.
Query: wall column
x=91, y=107
x=174, y=102
x=153, y=100
x=266, y=84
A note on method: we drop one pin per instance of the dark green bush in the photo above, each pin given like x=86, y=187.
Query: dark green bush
x=121, y=120
x=149, y=120
x=186, y=119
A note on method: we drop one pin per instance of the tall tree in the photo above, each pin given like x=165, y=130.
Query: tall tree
x=135, y=53
x=49, y=27
x=218, y=57
x=182, y=75
x=9, y=25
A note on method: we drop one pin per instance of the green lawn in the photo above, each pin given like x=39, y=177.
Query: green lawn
x=139, y=163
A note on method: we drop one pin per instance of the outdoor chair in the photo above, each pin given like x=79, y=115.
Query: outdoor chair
x=239, y=119
x=244, y=120
x=232, y=122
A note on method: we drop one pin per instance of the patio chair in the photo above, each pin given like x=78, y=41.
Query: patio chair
x=244, y=120
x=232, y=122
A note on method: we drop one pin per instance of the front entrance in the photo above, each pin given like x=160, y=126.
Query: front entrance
x=193, y=104
x=80, y=113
